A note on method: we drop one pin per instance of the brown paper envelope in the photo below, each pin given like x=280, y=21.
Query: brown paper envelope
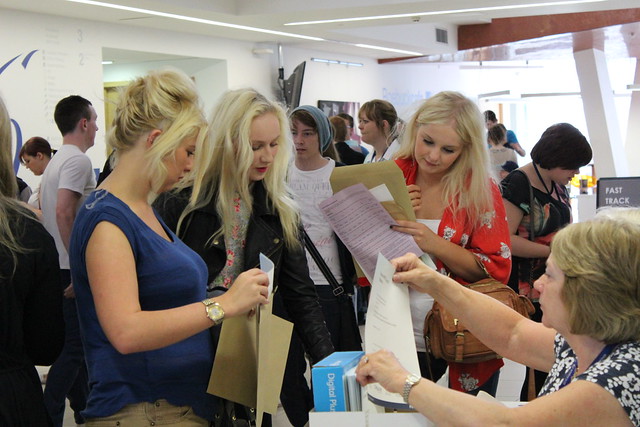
x=274, y=337
x=372, y=175
x=395, y=210
x=235, y=369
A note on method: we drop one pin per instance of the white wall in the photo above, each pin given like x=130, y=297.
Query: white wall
x=69, y=53
x=210, y=75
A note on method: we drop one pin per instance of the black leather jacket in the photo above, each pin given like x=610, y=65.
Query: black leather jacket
x=296, y=298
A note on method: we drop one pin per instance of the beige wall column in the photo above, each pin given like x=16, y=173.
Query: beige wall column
x=632, y=144
x=599, y=109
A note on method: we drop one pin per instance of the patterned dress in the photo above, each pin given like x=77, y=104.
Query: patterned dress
x=550, y=215
x=490, y=243
x=618, y=373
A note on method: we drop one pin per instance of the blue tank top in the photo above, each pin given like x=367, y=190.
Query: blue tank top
x=169, y=275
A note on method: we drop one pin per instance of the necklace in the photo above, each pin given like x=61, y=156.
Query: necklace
x=549, y=192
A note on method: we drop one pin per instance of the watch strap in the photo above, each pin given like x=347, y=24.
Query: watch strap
x=409, y=383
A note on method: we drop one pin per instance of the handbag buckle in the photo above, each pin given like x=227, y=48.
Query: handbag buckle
x=337, y=291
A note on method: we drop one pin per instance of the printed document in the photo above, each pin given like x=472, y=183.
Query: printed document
x=362, y=224
x=388, y=326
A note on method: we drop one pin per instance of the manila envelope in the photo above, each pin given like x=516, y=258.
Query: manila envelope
x=250, y=360
x=372, y=175
x=235, y=369
x=274, y=337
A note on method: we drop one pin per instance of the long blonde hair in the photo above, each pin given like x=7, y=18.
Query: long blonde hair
x=466, y=183
x=9, y=205
x=166, y=100
x=224, y=159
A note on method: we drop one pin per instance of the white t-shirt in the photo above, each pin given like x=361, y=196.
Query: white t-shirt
x=499, y=155
x=388, y=154
x=421, y=303
x=310, y=188
x=70, y=169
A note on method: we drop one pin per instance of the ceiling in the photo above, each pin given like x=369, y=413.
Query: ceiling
x=413, y=34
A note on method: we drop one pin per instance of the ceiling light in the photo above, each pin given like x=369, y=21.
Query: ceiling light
x=192, y=19
x=234, y=26
x=107, y=62
x=388, y=49
x=335, y=61
x=443, y=12
x=633, y=87
x=493, y=94
x=547, y=94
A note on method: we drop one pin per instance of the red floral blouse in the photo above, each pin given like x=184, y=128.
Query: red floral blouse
x=490, y=242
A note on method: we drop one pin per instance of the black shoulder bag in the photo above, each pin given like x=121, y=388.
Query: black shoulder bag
x=350, y=339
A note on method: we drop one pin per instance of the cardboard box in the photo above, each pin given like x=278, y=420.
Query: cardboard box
x=330, y=392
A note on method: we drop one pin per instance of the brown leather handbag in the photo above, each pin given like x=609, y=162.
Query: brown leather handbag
x=447, y=338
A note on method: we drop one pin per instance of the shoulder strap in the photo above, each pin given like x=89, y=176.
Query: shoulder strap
x=531, y=207
x=313, y=251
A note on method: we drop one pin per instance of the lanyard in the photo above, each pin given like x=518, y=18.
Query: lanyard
x=571, y=374
x=553, y=184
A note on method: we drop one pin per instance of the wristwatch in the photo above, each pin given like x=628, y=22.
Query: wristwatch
x=214, y=311
x=411, y=381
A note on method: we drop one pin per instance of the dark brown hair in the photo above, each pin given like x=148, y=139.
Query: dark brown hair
x=561, y=146
x=340, y=128
x=379, y=110
x=36, y=145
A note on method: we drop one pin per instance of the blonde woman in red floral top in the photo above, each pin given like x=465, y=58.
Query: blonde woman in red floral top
x=461, y=222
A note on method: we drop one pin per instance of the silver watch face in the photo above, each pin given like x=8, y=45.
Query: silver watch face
x=413, y=379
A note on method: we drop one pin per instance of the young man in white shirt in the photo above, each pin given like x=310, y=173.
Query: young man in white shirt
x=66, y=182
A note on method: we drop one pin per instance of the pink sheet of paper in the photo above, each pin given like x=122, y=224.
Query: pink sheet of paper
x=362, y=224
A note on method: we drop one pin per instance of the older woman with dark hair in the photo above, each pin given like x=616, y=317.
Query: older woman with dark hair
x=588, y=340
x=537, y=205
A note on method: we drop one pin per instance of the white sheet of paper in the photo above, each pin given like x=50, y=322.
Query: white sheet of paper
x=267, y=266
x=389, y=326
x=363, y=226
x=382, y=193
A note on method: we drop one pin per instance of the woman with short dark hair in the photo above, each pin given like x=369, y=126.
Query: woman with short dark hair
x=536, y=200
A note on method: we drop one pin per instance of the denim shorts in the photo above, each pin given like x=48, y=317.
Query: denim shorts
x=158, y=413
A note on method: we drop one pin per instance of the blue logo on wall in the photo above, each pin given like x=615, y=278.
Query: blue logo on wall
x=16, y=159
x=404, y=98
x=25, y=61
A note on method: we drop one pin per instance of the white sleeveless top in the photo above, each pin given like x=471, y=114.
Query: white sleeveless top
x=421, y=303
